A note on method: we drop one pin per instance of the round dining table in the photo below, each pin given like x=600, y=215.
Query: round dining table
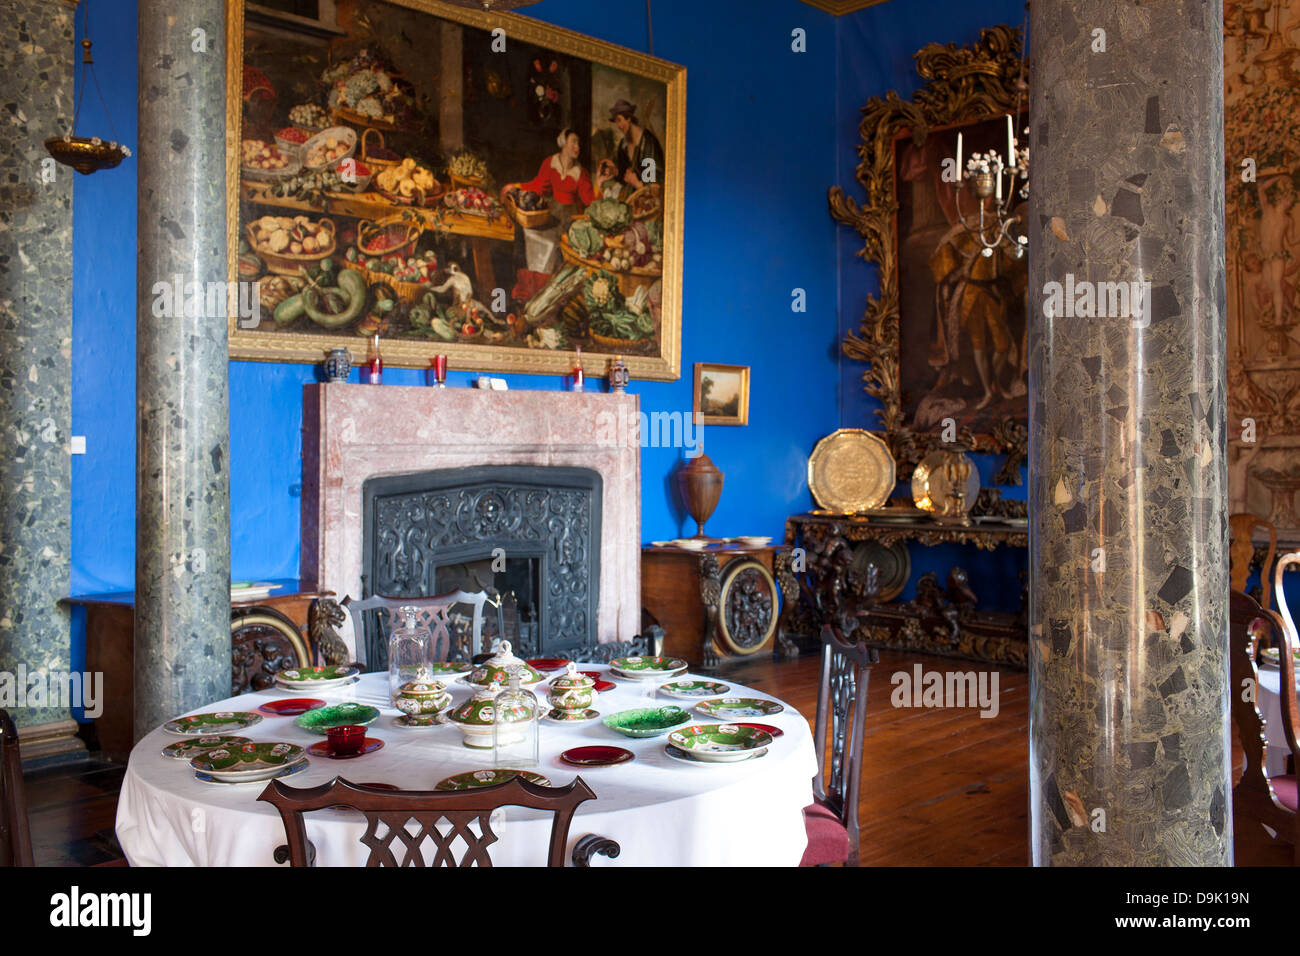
x=1270, y=708
x=660, y=810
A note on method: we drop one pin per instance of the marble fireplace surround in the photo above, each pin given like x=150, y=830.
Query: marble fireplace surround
x=355, y=432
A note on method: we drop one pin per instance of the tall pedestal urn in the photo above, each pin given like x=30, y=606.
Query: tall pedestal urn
x=700, y=483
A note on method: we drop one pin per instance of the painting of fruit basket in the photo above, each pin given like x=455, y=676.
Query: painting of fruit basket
x=479, y=185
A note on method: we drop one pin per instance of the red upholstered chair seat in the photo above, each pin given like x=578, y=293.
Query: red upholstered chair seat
x=828, y=840
x=1283, y=787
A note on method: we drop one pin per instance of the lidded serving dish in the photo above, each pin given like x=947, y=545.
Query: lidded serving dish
x=496, y=669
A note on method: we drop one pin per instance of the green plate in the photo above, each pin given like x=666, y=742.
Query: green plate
x=646, y=721
x=738, y=708
x=320, y=720
x=194, y=746
x=473, y=779
x=720, y=743
x=251, y=758
x=648, y=665
x=217, y=722
x=314, y=675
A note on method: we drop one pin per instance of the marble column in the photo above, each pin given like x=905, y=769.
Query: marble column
x=1129, y=745
x=36, y=92
x=182, y=580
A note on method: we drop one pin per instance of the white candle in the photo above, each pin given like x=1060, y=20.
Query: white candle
x=1011, y=143
x=959, y=176
x=999, y=172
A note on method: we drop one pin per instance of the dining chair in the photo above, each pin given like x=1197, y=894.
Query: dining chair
x=832, y=819
x=434, y=613
x=15, y=831
x=1260, y=801
x=389, y=814
x=1241, y=552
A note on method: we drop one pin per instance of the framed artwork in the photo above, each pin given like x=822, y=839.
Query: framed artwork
x=946, y=338
x=479, y=185
x=721, y=394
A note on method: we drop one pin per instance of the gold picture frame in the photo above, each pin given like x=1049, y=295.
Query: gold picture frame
x=500, y=347
x=719, y=387
x=963, y=86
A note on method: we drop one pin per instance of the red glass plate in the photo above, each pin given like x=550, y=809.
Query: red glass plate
x=598, y=756
x=548, y=663
x=322, y=749
x=602, y=685
x=774, y=731
x=292, y=707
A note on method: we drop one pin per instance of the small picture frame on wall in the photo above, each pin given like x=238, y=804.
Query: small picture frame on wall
x=721, y=394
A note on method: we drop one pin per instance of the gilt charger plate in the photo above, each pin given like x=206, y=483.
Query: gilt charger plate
x=851, y=470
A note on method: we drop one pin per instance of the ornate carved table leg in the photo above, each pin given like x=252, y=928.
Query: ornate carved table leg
x=323, y=617
x=785, y=579
x=711, y=598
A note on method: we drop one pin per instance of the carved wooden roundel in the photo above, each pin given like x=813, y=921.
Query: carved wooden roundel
x=748, y=607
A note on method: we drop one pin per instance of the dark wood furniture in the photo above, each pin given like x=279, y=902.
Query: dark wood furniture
x=15, y=833
x=1244, y=557
x=434, y=614
x=1259, y=801
x=832, y=550
x=840, y=727
x=718, y=604
x=395, y=809
x=267, y=633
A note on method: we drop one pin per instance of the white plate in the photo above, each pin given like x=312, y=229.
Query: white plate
x=303, y=685
x=681, y=755
x=643, y=676
x=290, y=771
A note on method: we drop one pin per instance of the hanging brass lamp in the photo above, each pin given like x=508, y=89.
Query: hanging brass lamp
x=87, y=154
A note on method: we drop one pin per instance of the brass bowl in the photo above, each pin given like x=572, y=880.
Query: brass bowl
x=85, y=155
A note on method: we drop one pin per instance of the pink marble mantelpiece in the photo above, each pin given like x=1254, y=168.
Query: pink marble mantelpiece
x=355, y=432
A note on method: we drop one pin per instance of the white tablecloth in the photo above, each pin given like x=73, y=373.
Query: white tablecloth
x=662, y=812
x=1270, y=708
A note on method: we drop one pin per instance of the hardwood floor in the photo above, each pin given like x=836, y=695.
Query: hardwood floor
x=939, y=787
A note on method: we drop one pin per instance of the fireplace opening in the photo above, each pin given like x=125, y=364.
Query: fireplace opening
x=528, y=535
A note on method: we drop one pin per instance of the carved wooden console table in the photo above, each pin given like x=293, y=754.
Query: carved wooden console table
x=834, y=582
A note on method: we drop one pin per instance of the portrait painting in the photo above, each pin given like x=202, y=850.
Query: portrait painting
x=963, y=320
x=477, y=185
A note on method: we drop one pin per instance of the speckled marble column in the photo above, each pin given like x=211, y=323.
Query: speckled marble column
x=182, y=611
x=36, y=93
x=1129, y=755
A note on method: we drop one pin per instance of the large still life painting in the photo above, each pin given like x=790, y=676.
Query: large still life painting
x=477, y=185
x=1262, y=154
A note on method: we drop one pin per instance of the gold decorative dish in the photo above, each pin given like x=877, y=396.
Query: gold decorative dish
x=851, y=470
x=945, y=484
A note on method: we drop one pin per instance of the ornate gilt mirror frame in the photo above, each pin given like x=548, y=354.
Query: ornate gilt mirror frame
x=963, y=85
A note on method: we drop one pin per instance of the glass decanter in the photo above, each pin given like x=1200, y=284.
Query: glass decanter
x=410, y=656
x=515, y=736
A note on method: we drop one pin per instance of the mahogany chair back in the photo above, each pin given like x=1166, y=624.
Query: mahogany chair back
x=15, y=832
x=1255, y=804
x=389, y=814
x=434, y=613
x=840, y=727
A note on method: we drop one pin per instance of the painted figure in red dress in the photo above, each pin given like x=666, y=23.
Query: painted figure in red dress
x=562, y=177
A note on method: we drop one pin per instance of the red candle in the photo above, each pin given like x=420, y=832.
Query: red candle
x=578, y=374
x=374, y=363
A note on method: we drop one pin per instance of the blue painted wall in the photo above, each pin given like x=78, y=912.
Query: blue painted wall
x=761, y=151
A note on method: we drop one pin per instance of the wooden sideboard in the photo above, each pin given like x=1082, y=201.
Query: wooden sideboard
x=724, y=602
x=263, y=642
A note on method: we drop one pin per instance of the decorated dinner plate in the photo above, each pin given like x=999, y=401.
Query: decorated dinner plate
x=720, y=743
x=318, y=678
x=694, y=688
x=1271, y=655
x=686, y=757
x=596, y=756
x=300, y=766
x=290, y=708
x=736, y=708
x=643, y=668
x=560, y=717
x=441, y=669
x=217, y=722
x=193, y=746
x=774, y=731
x=320, y=720
x=261, y=759
x=473, y=779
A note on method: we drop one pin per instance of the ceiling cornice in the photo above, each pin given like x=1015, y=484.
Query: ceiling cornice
x=840, y=7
